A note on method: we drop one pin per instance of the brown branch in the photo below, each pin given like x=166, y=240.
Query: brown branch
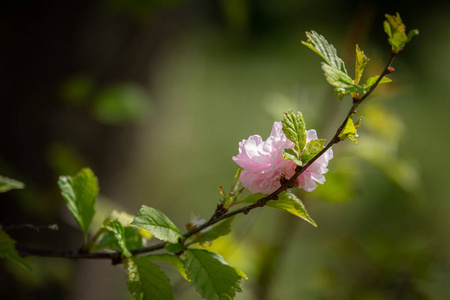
x=220, y=213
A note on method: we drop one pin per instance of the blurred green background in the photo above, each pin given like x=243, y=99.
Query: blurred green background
x=154, y=96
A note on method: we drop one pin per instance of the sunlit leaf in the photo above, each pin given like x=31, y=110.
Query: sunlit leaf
x=146, y=281
x=287, y=201
x=223, y=228
x=158, y=224
x=320, y=45
x=8, y=251
x=371, y=81
x=290, y=154
x=80, y=193
x=361, y=63
x=211, y=276
x=7, y=184
x=395, y=29
x=312, y=149
x=295, y=129
x=341, y=80
x=349, y=131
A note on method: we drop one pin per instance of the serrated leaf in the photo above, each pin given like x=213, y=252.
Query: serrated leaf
x=312, y=149
x=371, y=81
x=158, y=224
x=7, y=184
x=171, y=259
x=395, y=29
x=117, y=229
x=320, y=45
x=290, y=154
x=221, y=229
x=80, y=193
x=289, y=202
x=8, y=251
x=295, y=129
x=361, y=63
x=349, y=131
x=146, y=281
x=341, y=80
x=211, y=276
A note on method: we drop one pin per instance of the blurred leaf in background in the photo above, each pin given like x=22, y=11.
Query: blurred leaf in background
x=119, y=104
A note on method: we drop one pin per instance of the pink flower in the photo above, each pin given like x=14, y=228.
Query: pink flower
x=263, y=163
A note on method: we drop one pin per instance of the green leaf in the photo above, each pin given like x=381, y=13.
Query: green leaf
x=211, y=276
x=320, y=45
x=8, y=251
x=146, y=280
x=312, y=149
x=349, y=131
x=289, y=202
x=371, y=81
x=80, y=193
x=361, y=63
x=395, y=30
x=133, y=240
x=117, y=229
x=221, y=229
x=290, y=154
x=171, y=259
x=341, y=80
x=295, y=129
x=174, y=248
x=158, y=224
x=7, y=184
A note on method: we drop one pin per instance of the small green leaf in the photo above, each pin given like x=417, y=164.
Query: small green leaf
x=146, y=281
x=7, y=184
x=171, y=259
x=80, y=193
x=158, y=224
x=289, y=202
x=133, y=240
x=312, y=149
x=116, y=228
x=395, y=29
x=211, y=276
x=349, y=131
x=361, y=63
x=371, y=81
x=223, y=228
x=290, y=154
x=341, y=80
x=320, y=45
x=174, y=248
x=8, y=251
x=295, y=129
